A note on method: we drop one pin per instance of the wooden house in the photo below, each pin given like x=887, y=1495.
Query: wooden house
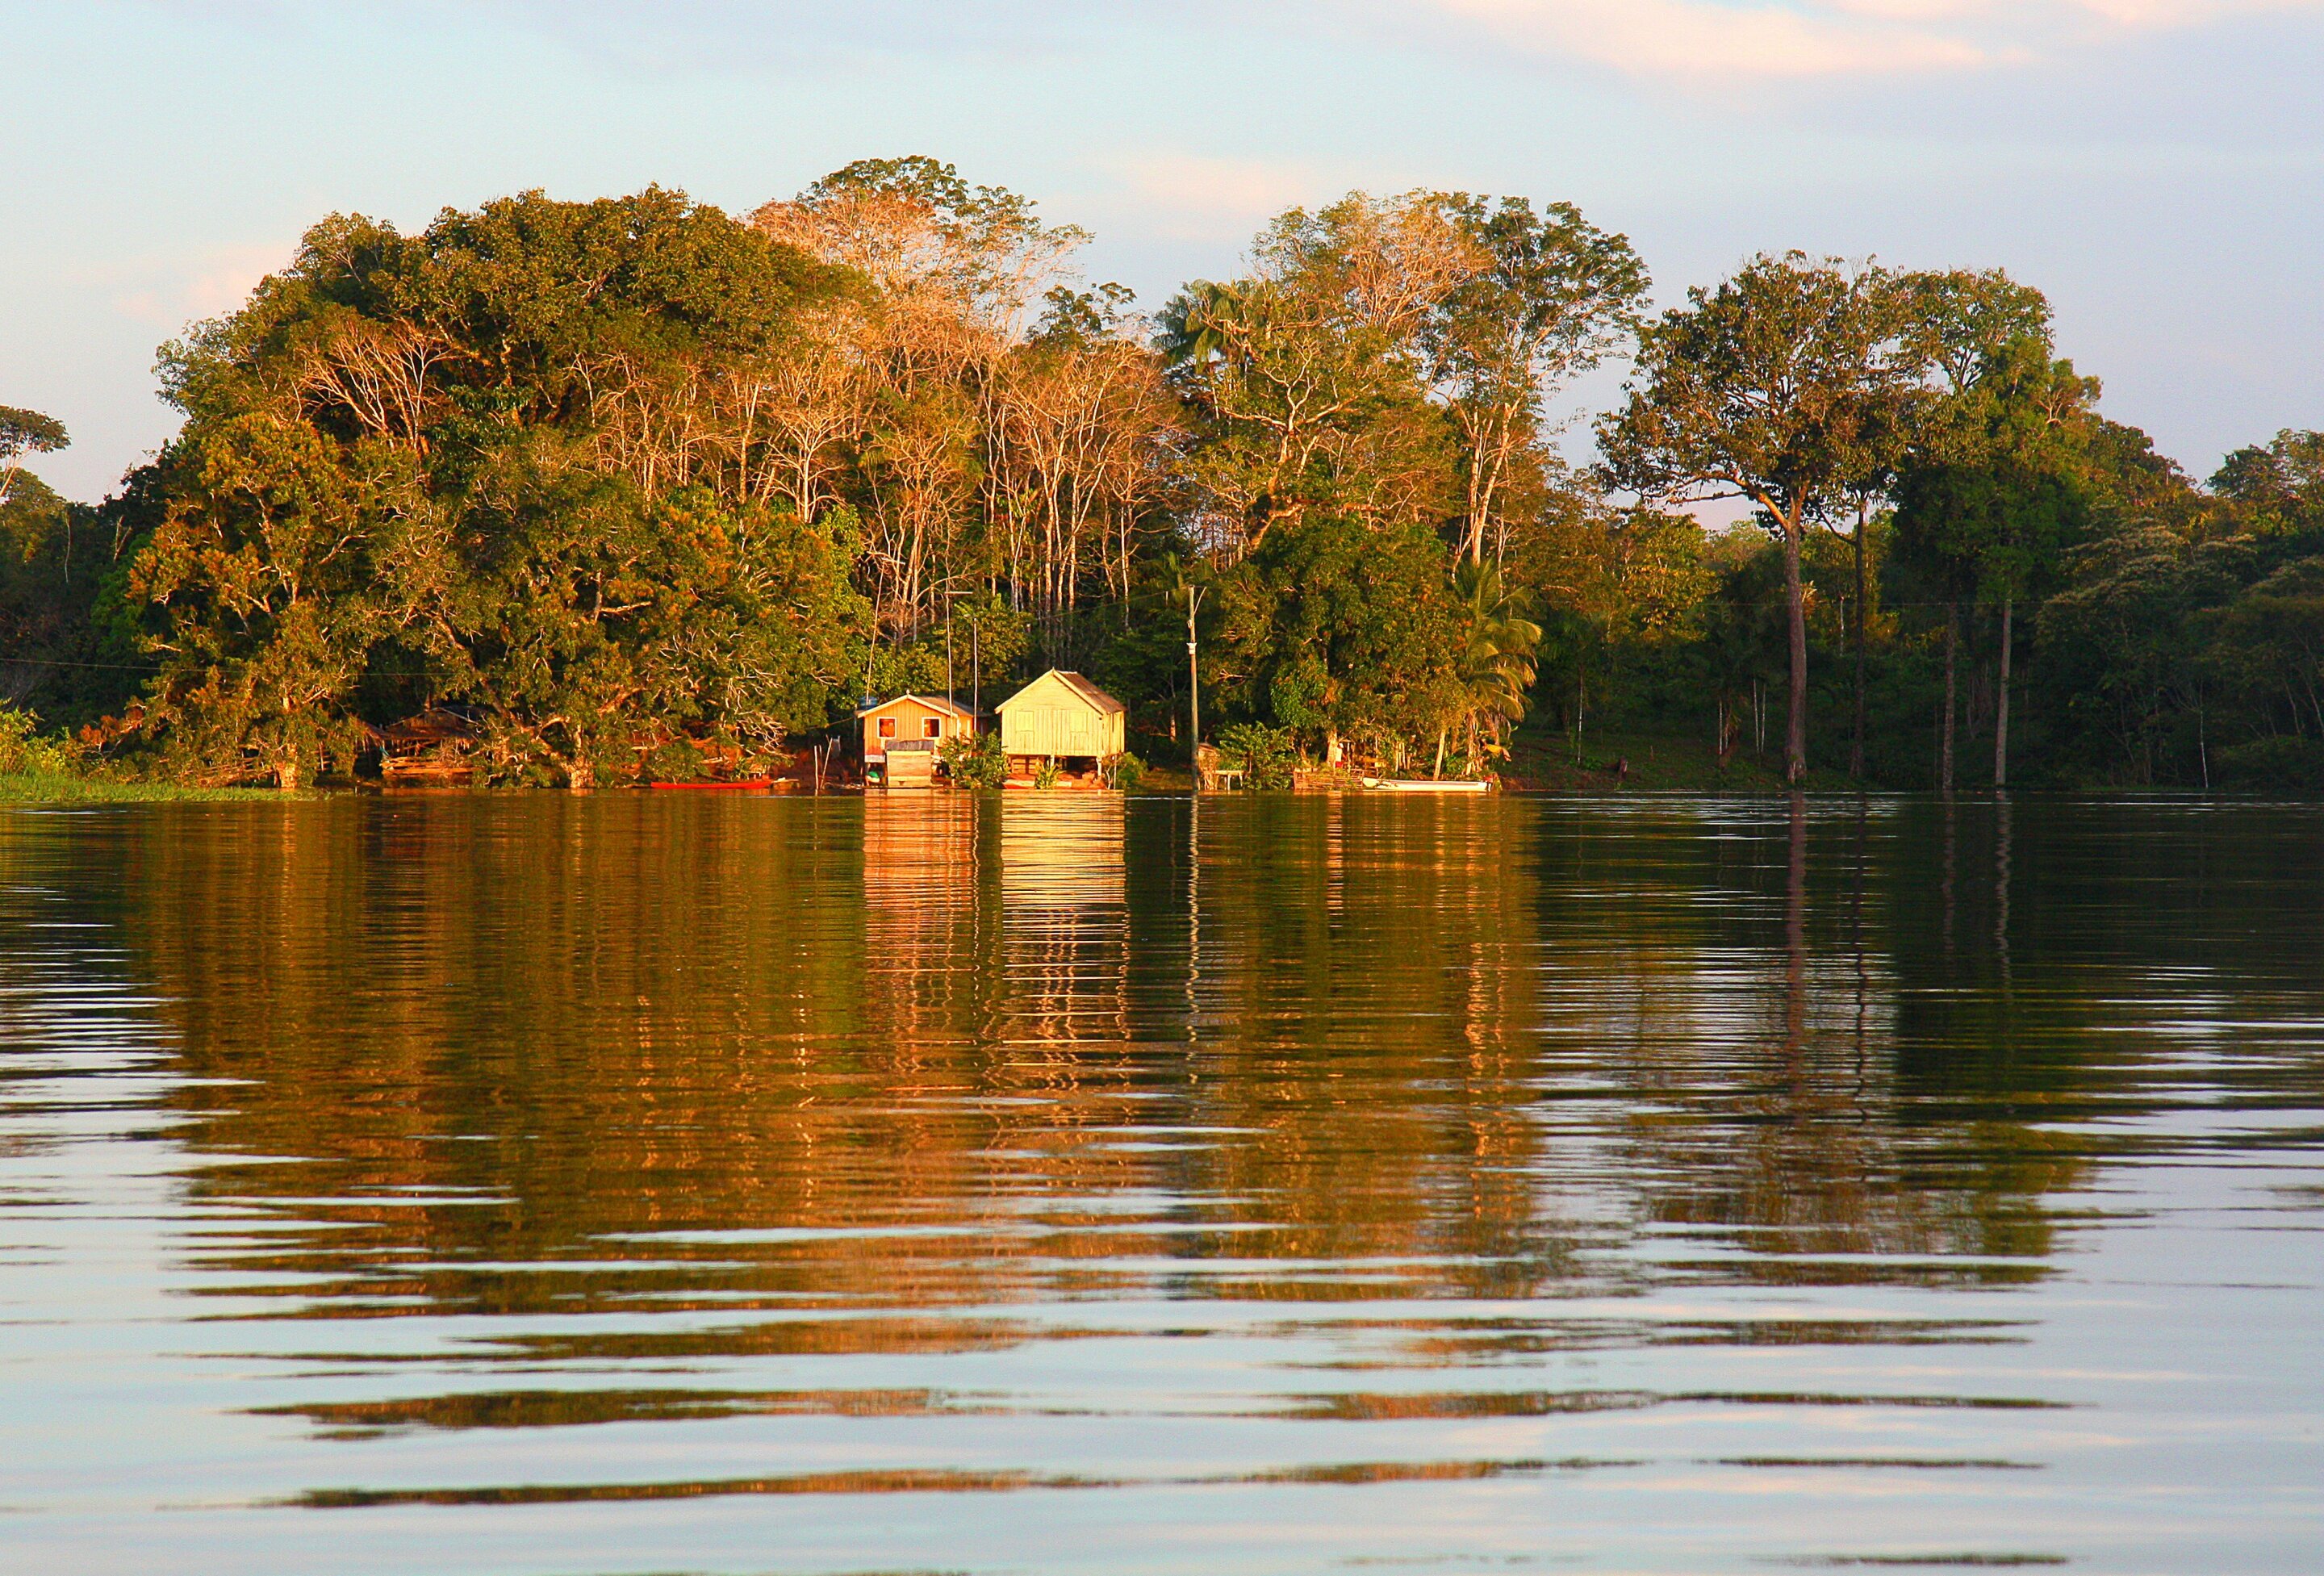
x=903, y=738
x=1062, y=718
x=431, y=750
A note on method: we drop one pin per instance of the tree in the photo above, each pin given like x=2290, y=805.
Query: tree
x=2271, y=640
x=1498, y=645
x=1554, y=296
x=264, y=580
x=1340, y=628
x=491, y=466
x=2115, y=640
x=1762, y=388
x=1987, y=491
x=1079, y=426
x=51, y=580
x=1307, y=383
x=992, y=425
x=24, y=432
x=2279, y=485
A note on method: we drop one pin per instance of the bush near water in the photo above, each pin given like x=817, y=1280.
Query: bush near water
x=621, y=480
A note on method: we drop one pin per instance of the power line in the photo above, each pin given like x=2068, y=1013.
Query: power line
x=68, y=662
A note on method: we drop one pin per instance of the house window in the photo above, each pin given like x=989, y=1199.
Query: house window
x=887, y=727
x=936, y=727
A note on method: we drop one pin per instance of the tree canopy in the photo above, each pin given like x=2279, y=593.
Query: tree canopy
x=623, y=486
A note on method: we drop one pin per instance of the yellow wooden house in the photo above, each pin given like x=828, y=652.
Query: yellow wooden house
x=1062, y=718
x=903, y=738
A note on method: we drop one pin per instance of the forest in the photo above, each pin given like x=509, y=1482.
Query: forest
x=634, y=485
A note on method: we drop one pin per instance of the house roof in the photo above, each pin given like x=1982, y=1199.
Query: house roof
x=1082, y=688
x=935, y=703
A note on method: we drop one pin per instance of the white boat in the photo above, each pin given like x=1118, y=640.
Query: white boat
x=1427, y=785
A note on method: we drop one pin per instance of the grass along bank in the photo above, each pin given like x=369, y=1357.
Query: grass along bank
x=1542, y=761
x=36, y=769
x=44, y=788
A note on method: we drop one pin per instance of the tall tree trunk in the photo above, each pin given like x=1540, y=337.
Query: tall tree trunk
x=1193, y=689
x=1795, y=733
x=2001, y=703
x=1856, y=746
x=1945, y=730
x=1439, y=773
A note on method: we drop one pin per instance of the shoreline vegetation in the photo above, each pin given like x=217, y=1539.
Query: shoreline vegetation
x=630, y=490
x=21, y=790
x=1538, y=764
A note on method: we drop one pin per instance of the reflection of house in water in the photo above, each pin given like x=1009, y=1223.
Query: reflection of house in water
x=921, y=912
x=1064, y=916
x=933, y=920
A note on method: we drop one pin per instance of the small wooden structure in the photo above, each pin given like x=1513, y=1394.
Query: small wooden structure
x=1061, y=719
x=1211, y=772
x=428, y=750
x=903, y=737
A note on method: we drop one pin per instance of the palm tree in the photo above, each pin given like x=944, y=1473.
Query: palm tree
x=1496, y=672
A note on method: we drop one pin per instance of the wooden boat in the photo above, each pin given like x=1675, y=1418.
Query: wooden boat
x=746, y=785
x=1427, y=785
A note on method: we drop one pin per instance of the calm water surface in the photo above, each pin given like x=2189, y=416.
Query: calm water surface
x=1067, y=1183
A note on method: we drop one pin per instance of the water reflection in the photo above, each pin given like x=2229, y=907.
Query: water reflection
x=1295, y=1180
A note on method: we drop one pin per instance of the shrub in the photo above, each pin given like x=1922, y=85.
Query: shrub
x=1126, y=771
x=1044, y=776
x=1266, y=755
x=975, y=763
x=26, y=753
x=2279, y=765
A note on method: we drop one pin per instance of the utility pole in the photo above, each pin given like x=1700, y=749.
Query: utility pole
x=1193, y=689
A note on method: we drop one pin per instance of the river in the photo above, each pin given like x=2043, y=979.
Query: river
x=1071, y=1183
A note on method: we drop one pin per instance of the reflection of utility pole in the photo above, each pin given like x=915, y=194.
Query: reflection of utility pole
x=1194, y=687
x=1194, y=918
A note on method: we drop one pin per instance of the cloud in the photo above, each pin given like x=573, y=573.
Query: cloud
x=1192, y=196
x=1816, y=37
x=170, y=293
x=747, y=36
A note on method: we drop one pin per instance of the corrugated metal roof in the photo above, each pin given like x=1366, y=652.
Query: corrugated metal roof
x=933, y=701
x=1074, y=682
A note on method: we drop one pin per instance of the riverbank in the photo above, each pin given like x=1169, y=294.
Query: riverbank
x=41, y=788
x=1545, y=763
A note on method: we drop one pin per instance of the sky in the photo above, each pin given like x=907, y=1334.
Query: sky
x=2157, y=166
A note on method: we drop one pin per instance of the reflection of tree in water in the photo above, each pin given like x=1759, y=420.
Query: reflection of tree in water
x=1366, y=993
x=939, y=1052
x=1746, y=1009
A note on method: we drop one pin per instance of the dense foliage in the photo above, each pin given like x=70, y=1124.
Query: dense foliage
x=621, y=486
